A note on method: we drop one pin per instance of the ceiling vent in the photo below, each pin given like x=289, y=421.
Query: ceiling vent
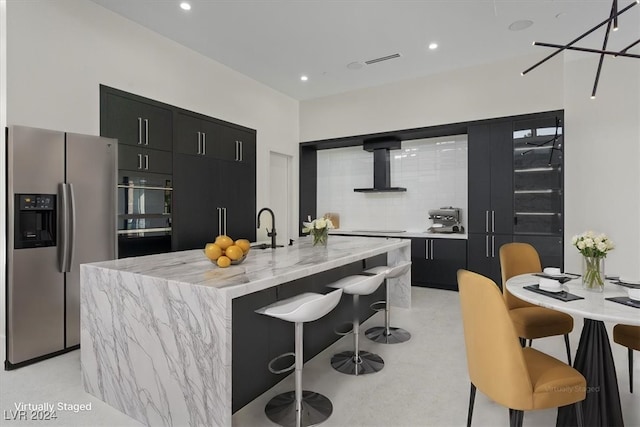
x=383, y=58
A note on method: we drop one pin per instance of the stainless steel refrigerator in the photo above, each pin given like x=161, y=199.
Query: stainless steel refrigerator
x=61, y=212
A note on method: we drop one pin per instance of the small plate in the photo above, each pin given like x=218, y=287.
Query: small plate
x=629, y=281
x=555, y=291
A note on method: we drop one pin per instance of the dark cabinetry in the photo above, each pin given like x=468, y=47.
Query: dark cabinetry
x=135, y=122
x=515, y=189
x=134, y=158
x=205, y=170
x=212, y=197
x=202, y=136
x=490, y=189
x=436, y=261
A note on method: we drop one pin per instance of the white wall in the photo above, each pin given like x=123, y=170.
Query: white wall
x=58, y=52
x=602, y=161
x=494, y=90
x=602, y=133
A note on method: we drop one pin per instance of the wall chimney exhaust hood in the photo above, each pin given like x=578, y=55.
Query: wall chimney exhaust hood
x=381, y=165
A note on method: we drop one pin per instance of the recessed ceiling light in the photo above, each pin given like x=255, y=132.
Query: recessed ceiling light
x=520, y=25
x=304, y=78
x=433, y=46
x=355, y=65
x=185, y=6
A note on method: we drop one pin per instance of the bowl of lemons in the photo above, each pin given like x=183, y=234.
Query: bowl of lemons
x=224, y=251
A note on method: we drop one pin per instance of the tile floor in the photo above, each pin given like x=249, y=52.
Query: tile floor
x=424, y=381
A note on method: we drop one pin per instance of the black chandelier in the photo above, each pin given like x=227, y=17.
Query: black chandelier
x=612, y=25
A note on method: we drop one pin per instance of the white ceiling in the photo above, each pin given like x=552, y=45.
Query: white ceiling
x=277, y=41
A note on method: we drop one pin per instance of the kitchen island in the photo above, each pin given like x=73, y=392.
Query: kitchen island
x=171, y=339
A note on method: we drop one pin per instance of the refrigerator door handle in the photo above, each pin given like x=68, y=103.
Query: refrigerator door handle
x=72, y=227
x=63, y=251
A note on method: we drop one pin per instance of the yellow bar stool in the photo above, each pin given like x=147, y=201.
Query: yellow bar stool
x=387, y=334
x=299, y=407
x=357, y=362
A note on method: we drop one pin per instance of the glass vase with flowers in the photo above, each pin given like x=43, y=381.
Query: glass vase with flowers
x=594, y=248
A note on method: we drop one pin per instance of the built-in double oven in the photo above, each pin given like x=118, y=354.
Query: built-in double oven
x=144, y=213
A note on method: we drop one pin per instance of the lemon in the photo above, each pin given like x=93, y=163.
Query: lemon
x=224, y=241
x=224, y=261
x=234, y=252
x=243, y=244
x=212, y=251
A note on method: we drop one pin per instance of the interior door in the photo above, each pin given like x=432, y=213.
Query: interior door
x=91, y=173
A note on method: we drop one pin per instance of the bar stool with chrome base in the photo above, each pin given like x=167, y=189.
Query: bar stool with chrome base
x=300, y=407
x=357, y=362
x=386, y=334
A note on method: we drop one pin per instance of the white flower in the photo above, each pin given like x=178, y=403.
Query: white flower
x=321, y=223
x=591, y=244
x=329, y=223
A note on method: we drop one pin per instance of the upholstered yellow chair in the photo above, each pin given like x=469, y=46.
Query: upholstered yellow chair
x=522, y=379
x=530, y=321
x=628, y=336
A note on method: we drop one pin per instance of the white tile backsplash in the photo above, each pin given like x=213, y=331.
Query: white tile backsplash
x=433, y=170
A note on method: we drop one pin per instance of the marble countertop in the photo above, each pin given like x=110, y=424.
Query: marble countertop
x=263, y=268
x=593, y=306
x=400, y=234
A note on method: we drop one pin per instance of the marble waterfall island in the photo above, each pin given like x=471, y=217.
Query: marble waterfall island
x=156, y=331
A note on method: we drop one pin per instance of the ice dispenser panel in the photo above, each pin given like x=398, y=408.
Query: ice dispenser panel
x=35, y=220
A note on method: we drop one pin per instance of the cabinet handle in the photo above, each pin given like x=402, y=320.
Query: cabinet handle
x=199, y=146
x=431, y=241
x=493, y=246
x=225, y=220
x=139, y=130
x=204, y=143
x=493, y=221
x=139, y=161
x=146, y=162
x=486, y=221
x=426, y=249
x=146, y=131
x=219, y=220
x=237, y=148
x=486, y=246
x=241, y=151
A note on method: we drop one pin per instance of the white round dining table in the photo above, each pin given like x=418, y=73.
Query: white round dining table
x=593, y=357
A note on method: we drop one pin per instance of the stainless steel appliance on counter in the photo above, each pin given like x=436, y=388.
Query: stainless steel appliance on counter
x=446, y=220
x=61, y=212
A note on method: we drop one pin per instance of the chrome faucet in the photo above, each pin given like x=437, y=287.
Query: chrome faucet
x=271, y=233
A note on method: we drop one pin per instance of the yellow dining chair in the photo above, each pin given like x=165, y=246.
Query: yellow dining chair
x=628, y=336
x=522, y=379
x=530, y=321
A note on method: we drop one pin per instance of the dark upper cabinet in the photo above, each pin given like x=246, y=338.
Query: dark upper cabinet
x=197, y=135
x=237, y=145
x=435, y=262
x=136, y=158
x=490, y=178
x=138, y=123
